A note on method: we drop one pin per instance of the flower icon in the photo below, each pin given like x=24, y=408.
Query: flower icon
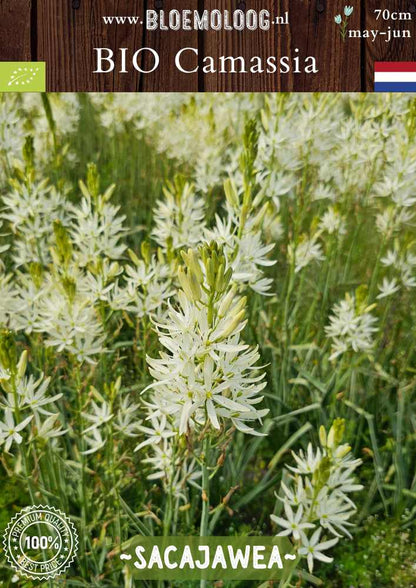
x=343, y=24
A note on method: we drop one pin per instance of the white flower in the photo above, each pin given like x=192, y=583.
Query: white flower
x=12, y=128
x=392, y=220
x=206, y=374
x=9, y=303
x=4, y=374
x=96, y=229
x=323, y=192
x=9, y=431
x=334, y=513
x=388, y=287
x=312, y=549
x=87, y=346
x=245, y=252
x=69, y=322
x=100, y=415
x=342, y=482
x=30, y=211
x=319, y=490
x=96, y=442
x=48, y=429
x=408, y=280
x=187, y=474
x=33, y=394
x=294, y=497
x=332, y=222
x=96, y=287
x=162, y=461
x=404, y=263
x=125, y=425
x=155, y=435
x=307, y=462
x=126, y=421
x=179, y=217
x=144, y=289
x=305, y=252
x=390, y=258
x=350, y=328
x=294, y=524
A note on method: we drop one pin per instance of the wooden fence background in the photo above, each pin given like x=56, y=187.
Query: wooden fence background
x=64, y=32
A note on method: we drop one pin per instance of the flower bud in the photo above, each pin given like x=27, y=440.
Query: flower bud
x=21, y=366
x=227, y=278
x=93, y=180
x=191, y=260
x=336, y=433
x=244, y=214
x=322, y=436
x=231, y=326
x=145, y=251
x=195, y=288
x=70, y=287
x=63, y=243
x=226, y=302
x=183, y=281
x=29, y=152
x=189, y=284
x=117, y=385
x=219, y=281
x=114, y=270
x=322, y=473
x=160, y=256
x=343, y=451
x=36, y=273
x=133, y=257
x=210, y=268
x=231, y=193
x=259, y=218
x=8, y=354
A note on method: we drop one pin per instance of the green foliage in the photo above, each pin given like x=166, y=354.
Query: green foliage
x=371, y=393
x=382, y=555
x=13, y=497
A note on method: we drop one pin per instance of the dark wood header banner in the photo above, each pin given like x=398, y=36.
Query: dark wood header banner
x=66, y=34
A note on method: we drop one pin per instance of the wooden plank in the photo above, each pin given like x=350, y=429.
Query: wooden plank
x=398, y=49
x=312, y=30
x=15, y=37
x=167, y=78
x=64, y=34
x=67, y=33
x=235, y=43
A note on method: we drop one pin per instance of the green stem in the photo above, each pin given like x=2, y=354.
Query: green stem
x=167, y=519
x=82, y=483
x=22, y=450
x=114, y=482
x=205, y=490
x=205, y=497
x=168, y=515
x=374, y=275
x=286, y=331
x=25, y=466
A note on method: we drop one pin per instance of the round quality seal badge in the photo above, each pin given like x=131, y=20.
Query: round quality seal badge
x=40, y=542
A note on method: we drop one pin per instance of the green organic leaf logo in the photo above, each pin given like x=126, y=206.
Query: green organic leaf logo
x=23, y=76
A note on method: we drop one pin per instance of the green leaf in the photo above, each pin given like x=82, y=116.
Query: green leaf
x=22, y=76
x=278, y=455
